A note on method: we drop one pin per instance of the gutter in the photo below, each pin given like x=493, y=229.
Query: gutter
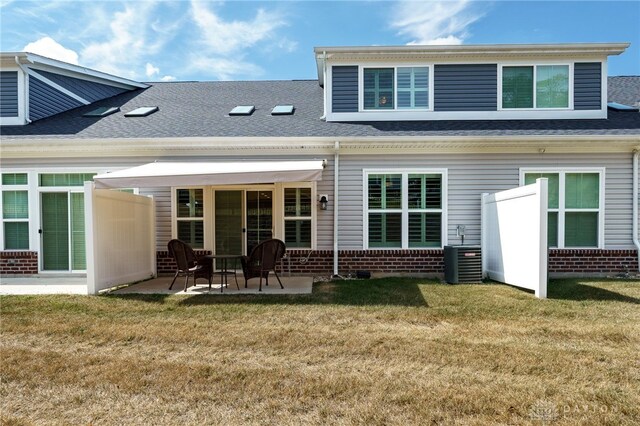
x=26, y=89
x=336, y=167
x=636, y=242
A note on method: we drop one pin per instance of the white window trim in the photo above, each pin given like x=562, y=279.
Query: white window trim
x=562, y=171
x=314, y=212
x=535, y=66
x=405, y=206
x=395, y=67
x=206, y=200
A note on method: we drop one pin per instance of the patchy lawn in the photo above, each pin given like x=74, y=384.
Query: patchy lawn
x=392, y=351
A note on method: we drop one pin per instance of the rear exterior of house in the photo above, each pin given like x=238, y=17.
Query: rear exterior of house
x=410, y=137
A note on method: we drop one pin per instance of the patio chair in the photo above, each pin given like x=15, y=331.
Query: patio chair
x=188, y=263
x=263, y=259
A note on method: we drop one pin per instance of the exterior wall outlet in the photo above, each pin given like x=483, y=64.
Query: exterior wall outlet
x=460, y=230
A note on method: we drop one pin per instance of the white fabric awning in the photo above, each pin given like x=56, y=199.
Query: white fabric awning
x=222, y=173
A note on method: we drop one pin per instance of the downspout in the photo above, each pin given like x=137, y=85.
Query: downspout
x=26, y=90
x=636, y=242
x=336, y=167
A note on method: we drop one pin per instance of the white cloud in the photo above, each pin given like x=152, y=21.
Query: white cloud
x=168, y=78
x=151, y=70
x=226, y=37
x=129, y=37
x=224, y=44
x=224, y=68
x=438, y=22
x=48, y=47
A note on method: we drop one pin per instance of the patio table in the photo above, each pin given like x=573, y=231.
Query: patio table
x=224, y=270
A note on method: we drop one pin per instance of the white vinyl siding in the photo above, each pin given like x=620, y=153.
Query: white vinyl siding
x=470, y=175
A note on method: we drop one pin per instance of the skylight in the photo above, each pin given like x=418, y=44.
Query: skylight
x=101, y=112
x=243, y=110
x=141, y=112
x=621, y=107
x=282, y=110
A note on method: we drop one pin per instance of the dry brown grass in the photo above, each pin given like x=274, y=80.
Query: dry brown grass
x=395, y=351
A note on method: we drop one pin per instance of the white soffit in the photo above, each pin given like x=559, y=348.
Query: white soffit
x=163, y=174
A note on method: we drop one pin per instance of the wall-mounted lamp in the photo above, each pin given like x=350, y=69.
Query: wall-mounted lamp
x=323, y=200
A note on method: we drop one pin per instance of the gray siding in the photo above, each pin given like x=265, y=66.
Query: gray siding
x=45, y=101
x=468, y=87
x=344, y=89
x=8, y=94
x=587, y=84
x=471, y=175
x=88, y=90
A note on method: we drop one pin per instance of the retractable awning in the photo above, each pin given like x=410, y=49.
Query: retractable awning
x=163, y=174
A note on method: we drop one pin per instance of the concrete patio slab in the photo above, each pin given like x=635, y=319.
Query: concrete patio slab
x=160, y=285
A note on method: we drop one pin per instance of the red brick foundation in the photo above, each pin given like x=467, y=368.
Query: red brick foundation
x=18, y=263
x=585, y=262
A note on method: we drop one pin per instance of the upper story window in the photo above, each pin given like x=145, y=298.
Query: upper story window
x=378, y=88
x=539, y=86
x=395, y=88
x=413, y=87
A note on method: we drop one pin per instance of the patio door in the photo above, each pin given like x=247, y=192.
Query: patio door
x=259, y=217
x=229, y=222
x=62, y=231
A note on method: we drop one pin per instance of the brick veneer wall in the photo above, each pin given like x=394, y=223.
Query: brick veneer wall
x=351, y=261
x=166, y=264
x=18, y=263
x=430, y=261
x=593, y=261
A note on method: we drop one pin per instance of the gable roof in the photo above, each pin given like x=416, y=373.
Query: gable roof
x=201, y=109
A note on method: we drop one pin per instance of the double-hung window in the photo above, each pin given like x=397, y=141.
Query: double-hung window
x=190, y=216
x=404, y=209
x=395, y=88
x=298, y=217
x=15, y=211
x=535, y=86
x=575, y=207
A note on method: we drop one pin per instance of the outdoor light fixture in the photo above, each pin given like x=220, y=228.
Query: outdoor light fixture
x=323, y=200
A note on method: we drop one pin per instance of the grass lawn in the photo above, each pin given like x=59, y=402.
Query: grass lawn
x=390, y=351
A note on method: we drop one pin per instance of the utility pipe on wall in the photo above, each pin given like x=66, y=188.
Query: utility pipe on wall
x=336, y=167
x=636, y=242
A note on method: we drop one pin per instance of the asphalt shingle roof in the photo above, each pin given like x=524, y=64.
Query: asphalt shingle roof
x=201, y=109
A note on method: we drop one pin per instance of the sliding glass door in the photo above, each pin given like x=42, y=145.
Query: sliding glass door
x=259, y=217
x=62, y=231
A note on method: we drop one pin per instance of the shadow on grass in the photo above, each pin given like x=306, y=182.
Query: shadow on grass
x=376, y=292
x=158, y=298
x=575, y=290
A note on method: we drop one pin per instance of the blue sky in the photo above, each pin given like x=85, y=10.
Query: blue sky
x=248, y=40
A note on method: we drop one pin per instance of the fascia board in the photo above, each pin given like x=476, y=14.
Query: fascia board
x=59, y=65
x=92, y=148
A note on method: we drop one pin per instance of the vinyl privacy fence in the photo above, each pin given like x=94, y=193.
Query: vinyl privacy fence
x=120, y=237
x=514, y=237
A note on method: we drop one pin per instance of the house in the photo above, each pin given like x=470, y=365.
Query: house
x=376, y=165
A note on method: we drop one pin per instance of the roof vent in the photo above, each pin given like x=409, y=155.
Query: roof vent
x=282, y=110
x=141, y=112
x=101, y=112
x=243, y=110
x=620, y=107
